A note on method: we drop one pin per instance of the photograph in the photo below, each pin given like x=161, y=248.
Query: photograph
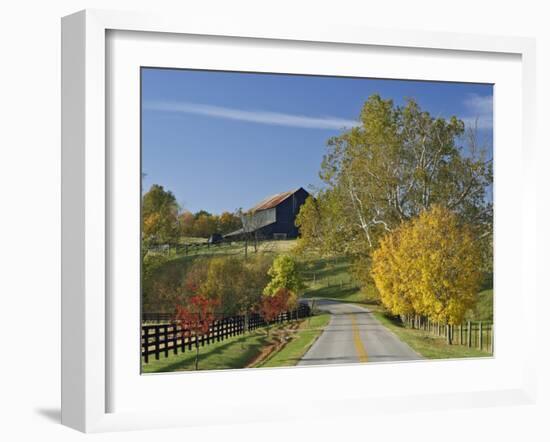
x=295, y=220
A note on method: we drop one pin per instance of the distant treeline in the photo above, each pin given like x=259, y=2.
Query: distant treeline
x=203, y=224
x=165, y=222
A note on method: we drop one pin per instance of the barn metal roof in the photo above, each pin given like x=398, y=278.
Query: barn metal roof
x=273, y=200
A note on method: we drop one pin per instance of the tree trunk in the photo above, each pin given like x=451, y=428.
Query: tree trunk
x=449, y=335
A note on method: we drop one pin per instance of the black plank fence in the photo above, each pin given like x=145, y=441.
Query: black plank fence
x=161, y=339
x=202, y=247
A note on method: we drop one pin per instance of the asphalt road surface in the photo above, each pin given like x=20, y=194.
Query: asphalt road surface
x=355, y=335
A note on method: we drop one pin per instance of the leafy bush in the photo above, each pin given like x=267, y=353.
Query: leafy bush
x=285, y=274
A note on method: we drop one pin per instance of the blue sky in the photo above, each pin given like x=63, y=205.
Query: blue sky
x=221, y=140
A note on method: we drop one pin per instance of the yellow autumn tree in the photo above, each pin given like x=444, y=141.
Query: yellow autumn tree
x=430, y=266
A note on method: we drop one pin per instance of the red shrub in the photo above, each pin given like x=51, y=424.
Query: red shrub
x=272, y=306
x=196, y=318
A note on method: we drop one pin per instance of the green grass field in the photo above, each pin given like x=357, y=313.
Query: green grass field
x=330, y=278
x=301, y=341
x=199, y=247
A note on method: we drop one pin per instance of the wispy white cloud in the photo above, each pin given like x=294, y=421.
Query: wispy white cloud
x=252, y=116
x=479, y=111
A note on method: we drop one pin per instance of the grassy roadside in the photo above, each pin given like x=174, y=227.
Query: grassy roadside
x=234, y=352
x=424, y=343
x=301, y=341
x=330, y=278
x=240, y=351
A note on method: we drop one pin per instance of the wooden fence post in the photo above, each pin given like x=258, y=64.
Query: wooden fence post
x=165, y=341
x=157, y=347
x=175, y=338
x=480, y=335
x=146, y=346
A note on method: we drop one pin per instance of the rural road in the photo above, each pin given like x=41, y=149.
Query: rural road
x=354, y=335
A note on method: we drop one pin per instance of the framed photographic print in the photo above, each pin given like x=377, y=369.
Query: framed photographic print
x=251, y=211
x=313, y=277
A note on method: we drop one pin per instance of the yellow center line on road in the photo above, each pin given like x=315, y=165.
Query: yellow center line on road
x=359, y=347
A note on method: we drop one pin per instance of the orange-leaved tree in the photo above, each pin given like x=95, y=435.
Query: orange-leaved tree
x=431, y=266
x=195, y=319
x=273, y=305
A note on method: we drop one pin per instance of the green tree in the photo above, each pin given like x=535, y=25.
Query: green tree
x=152, y=300
x=317, y=222
x=205, y=225
x=228, y=222
x=187, y=223
x=398, y=162
x=285, y=274
x=201, y=213
x=236, y=283
x=160, y=216
x=256, y=278
x=224, y=283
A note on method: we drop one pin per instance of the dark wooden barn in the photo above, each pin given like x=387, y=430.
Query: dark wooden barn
x=274, y=217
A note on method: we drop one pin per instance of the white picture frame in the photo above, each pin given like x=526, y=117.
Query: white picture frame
x=87, y=207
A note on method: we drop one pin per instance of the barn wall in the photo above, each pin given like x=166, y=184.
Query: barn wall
x=286, y=214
